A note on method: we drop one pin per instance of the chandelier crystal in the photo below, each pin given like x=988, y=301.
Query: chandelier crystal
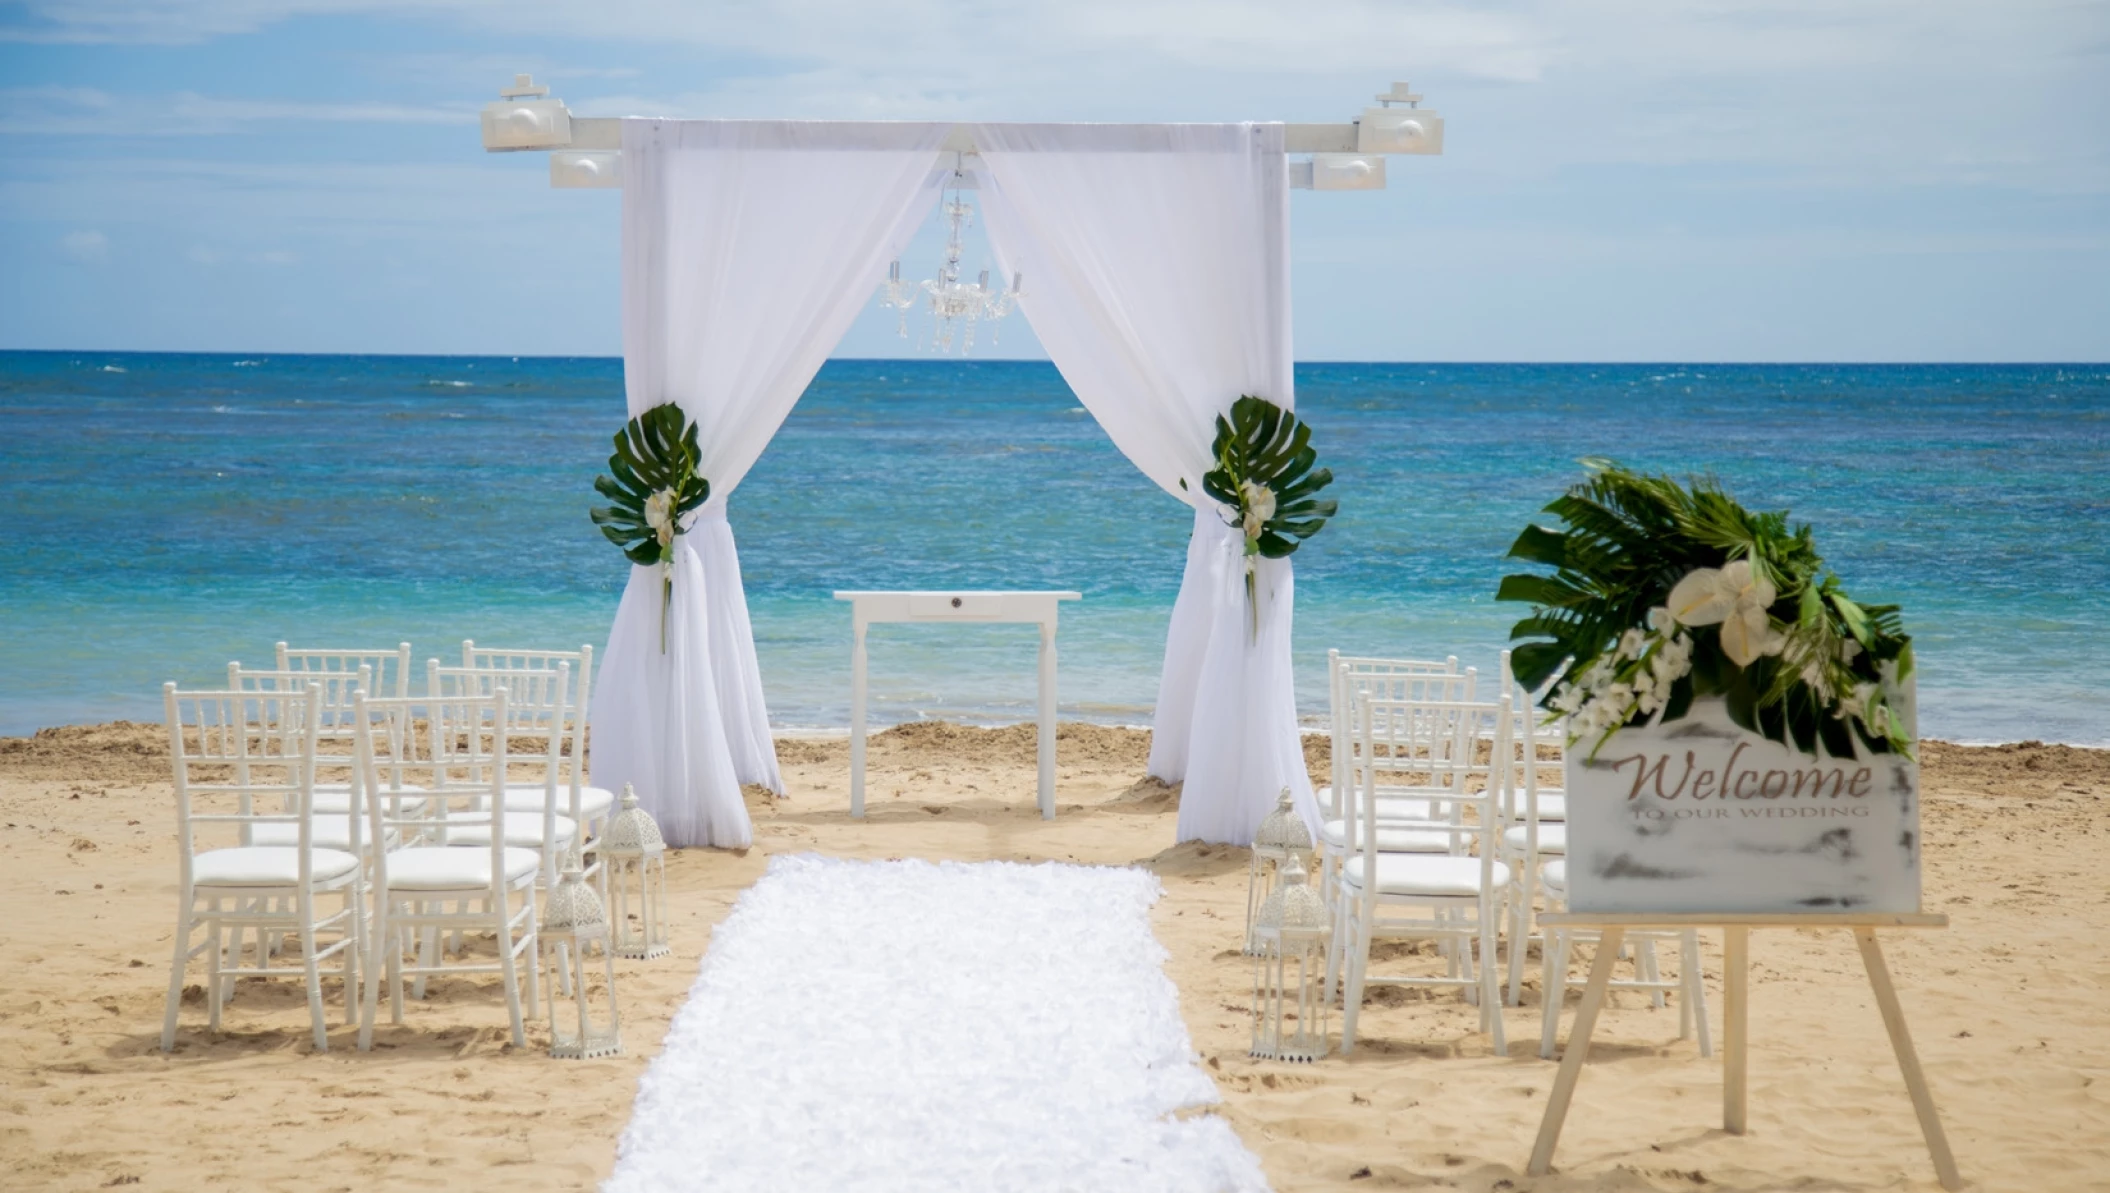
x=956, y=307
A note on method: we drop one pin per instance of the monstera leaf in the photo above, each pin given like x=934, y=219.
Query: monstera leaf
x=652, y=484
x=1265, y=470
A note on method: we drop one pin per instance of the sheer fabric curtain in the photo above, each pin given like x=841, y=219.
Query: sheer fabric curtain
x=748, y=249
x=1156, y=273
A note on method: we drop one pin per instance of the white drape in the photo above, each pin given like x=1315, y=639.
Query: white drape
x=1156, y=273
x=748, y=249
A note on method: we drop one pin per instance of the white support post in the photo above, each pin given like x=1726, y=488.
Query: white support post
x=857, y=715
x=1047, y=720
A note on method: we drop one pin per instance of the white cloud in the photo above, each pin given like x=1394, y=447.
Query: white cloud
x=87, y=111
x=88, y=248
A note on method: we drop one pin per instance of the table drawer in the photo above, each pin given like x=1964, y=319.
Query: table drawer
x=956, y=606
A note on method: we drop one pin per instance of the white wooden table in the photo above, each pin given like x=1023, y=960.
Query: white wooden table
x=1036, y=607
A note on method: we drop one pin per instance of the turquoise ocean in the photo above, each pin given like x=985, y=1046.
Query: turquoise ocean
x=161, y=515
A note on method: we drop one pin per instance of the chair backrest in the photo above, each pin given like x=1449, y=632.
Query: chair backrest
x=241, y=758
x=537, y=712
x=332, y=712
x=1433, y=749
x=1542, y=733
x=458, y=764
x=1355, y=679
x=486, y=658
x=390, y=668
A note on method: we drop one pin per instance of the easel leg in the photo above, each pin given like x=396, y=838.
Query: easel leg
x=1908, y=1060
x=1578, y=1051
x=1736, y=1025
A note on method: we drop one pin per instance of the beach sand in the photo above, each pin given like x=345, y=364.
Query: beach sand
x=2010, y=1007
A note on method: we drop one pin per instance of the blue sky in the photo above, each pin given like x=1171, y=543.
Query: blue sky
x=1688, y=180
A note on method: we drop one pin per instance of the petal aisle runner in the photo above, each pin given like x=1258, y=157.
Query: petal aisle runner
x=931, y=1027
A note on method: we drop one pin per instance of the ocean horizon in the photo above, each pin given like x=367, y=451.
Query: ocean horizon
x=162, y=514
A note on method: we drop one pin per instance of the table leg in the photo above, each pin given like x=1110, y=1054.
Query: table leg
x=1736, y=965
x=1578, y=1051
x=1047, y=721
x=1908, y=1059
x=857, y=721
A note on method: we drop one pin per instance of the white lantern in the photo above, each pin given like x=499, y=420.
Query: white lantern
x=575, y=927
x=634, y=856
x=1289, y=970
x=1281, y=836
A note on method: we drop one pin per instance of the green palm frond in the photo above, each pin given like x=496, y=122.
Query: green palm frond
x=1266, y=445
x=1624, y=539
x=654, y=452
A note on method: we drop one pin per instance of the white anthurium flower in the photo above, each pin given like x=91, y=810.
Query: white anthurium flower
x=659, y=515
x=1259, y=501
x=1736, y=598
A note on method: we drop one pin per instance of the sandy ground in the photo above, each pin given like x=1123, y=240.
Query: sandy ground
x=2009, y=1006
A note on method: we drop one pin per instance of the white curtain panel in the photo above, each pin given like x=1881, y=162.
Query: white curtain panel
x=1156, y=273
x=748, y=249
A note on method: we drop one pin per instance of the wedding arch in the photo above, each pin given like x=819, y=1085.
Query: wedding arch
x=1157, y=259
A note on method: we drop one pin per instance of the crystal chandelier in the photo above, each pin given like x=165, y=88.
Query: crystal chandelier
x=956, y=307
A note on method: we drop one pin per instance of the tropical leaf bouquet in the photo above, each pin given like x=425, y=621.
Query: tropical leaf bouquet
x=653, y=485
x=1266, y=470
x=1663, y=592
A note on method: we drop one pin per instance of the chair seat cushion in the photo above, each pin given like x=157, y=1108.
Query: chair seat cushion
x=1334, y=833
x=1555, y=875
x=1553, y=838
x=1553, y=805
x=1435, y=875
x=268, y=865
x=522, y=828
x=440, y=868
x=594, y=802
x=331, y=832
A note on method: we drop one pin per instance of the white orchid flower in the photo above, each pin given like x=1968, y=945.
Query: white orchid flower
x=1661, y=621
x=1736, y=598
x=1630, y=644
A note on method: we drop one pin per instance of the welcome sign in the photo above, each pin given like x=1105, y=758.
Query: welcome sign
x=1699, y=815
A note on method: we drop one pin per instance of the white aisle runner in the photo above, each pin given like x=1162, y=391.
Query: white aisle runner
x=931, y=1027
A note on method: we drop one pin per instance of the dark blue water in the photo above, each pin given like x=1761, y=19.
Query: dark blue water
x=162, y=514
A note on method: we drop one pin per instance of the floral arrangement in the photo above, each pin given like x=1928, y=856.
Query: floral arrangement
x=1265, y=469
x=1662, y=593
x=653, y=484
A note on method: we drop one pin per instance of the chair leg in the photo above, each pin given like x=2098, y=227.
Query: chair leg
x=509, y=970
x=215, y=941
x=1490, y=982
x=1553, y=989
x=374, y=965
x=1696, y=989
x=354, y=951
x=313, y=975
x=1647, y=969
x=1357, y=962
x=532, y=954
x=1519, y=943
x=176, y=967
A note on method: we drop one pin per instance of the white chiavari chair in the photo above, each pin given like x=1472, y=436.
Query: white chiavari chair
x=1356, y=680
x=244, y=763
x=1456, y=897
x=584, y=803
x=432, y=882
x=537, y=727
x=1640, y=948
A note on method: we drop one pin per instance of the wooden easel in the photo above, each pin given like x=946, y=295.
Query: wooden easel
x=1736, y=929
